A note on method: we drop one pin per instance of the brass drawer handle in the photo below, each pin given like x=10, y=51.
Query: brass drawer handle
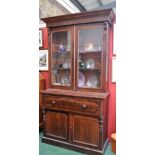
x=84, y=106
x=53, y=102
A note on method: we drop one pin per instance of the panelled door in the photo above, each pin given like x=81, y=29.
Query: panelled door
x=85, y=131
x=56, y=125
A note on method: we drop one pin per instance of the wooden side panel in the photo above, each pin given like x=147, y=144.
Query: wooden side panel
x=86, y=131
x=40, y=110
x=105, y=118
x=56, y=125
x=42, y=86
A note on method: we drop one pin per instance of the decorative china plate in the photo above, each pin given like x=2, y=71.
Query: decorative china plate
x=81, y=80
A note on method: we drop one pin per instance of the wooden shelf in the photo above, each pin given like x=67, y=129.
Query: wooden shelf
x=59, y=84
x=90, y=69
x=61, y=52
x=61, y=68
x=86, y=52
x=60, y=61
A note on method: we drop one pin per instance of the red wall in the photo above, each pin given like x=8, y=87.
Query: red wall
x=112, y=86
x=112, y=90
x=45, y=46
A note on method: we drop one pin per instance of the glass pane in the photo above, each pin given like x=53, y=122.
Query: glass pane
x=61, y=58
x=89, y=57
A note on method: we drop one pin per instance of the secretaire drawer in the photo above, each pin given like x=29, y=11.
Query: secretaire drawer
x=72, y=104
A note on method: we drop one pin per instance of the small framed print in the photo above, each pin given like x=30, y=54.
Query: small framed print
x=43, y=60
x=40, y=38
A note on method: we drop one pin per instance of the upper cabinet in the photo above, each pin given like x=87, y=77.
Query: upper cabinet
x=79, y=49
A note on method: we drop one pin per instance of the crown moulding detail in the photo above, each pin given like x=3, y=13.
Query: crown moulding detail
x=81, y=18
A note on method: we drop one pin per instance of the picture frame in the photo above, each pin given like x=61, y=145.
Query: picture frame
x=40, y=38
x=43, y=60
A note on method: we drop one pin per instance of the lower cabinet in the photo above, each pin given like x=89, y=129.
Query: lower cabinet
x=69, y=122
x=56, y=125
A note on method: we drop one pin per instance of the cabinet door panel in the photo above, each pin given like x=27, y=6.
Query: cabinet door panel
x=86, y=131
x=91, y=57
x=62, y=57
x=56, y=125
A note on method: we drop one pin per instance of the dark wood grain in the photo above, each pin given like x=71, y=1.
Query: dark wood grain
x=70, y=104
x=82, y=129
x=73, y=93
x=55, y=129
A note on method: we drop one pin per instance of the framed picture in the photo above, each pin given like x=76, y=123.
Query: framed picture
x=40, y=38
x=43, y=60
x=113, y=70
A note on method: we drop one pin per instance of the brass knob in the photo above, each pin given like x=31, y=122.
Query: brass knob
x=53, y=102
x=84, y=106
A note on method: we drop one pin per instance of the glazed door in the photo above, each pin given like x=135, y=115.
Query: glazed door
x=56, y=125
x=90, y=57
x=62, y=53
x=85, y=131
